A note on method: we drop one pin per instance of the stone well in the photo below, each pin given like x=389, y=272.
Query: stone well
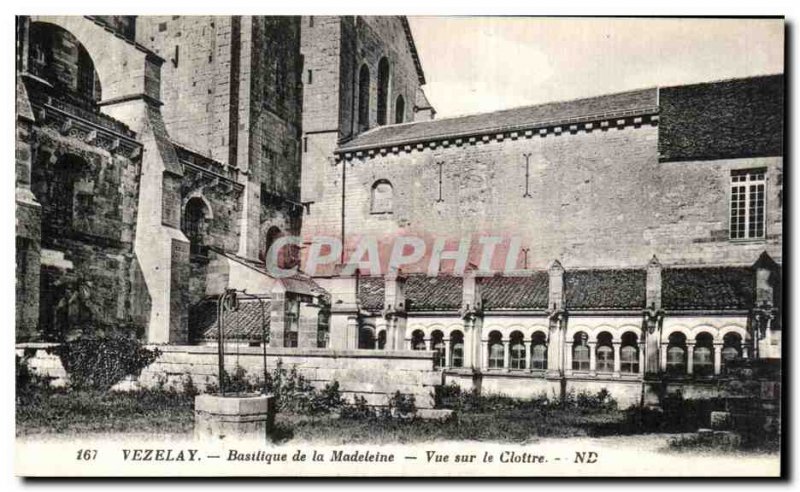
x=233, y=417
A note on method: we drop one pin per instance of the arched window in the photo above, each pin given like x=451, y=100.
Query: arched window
x=88, y=82
x=703, y=359
x=383, y=91
x=437, y=340
x=496, y=350
x=456, y=349
x=382, y=339
x=605, y=353
x=418, y=340
x=194, y=225
x=629, y=353
x=382, y=197
x=366, y=337
x=539, y=351
x=518, y=355
x=57, y=56
x=676, y=354
x=363, y=98
x=731, y=349
x=272, y=235
x=399, y=109
x=580, y=352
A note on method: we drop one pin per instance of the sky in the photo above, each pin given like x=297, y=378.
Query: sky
x=478, y=64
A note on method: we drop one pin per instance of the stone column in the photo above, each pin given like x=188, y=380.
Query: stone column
x=528, y=355
x=663, y=356
x=28, y=221
x=429, y=343
x=395, y=309
x=506, y=354
x=469, y=347
x=344, y=311
x=485, y=354
x=555, y=306
x=617, y=361
x=568, y=357
x=446, y=342
x=642, y=346
x=717, y=358
x=352, y=332
x=308, y=325
x=690, y=357
x=592, y=358
x=652, y=320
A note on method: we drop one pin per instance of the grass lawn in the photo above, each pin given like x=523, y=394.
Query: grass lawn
x=57, y=411
x=516, y=426
x=60, y=412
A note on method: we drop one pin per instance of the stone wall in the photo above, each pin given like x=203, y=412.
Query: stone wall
x=197, y=78
x=596, y=199
x=335, y=48
x=375, y=375
x=627, y=392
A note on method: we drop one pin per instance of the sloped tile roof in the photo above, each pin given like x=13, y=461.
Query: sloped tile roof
x=505, y=292
x=371, y=293
x=440, y=293
x=723, y=119
x=523, y=117
x=708, y=288
x=605, y=289
x=242, y=325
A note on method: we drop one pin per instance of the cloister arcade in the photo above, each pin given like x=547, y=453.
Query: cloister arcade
x=590, y=349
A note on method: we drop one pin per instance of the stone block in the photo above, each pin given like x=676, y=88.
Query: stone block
x=246, y=417
x=721, y=420
x=434, y=413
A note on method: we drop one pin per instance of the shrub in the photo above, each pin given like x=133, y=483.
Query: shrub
x=189, y=388
x=292, y=391
x=100, y=363
x=358, y=410
x=328, y=400
x=28, y=382
x=448, y=396
x=239, y=382
x=402, y=404
x=600, y=401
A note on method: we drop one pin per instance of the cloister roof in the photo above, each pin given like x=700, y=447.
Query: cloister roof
x=441, y=293
x=700, y=288
x=605, y=289
x=245, y=324
x=708, y=288
x=371, y=293
x=515, y=292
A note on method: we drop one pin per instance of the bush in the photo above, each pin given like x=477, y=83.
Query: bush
x=292, y=391
x=358, y=410
x=100, y=363
x=402, y=404
x=189, y=388
x=28, y=382
x=447, y=396
x=239, y=382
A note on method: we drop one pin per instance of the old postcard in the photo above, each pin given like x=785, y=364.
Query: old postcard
x=399, y=246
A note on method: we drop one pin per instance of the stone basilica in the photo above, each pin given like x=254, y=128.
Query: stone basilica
x=159, y=158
